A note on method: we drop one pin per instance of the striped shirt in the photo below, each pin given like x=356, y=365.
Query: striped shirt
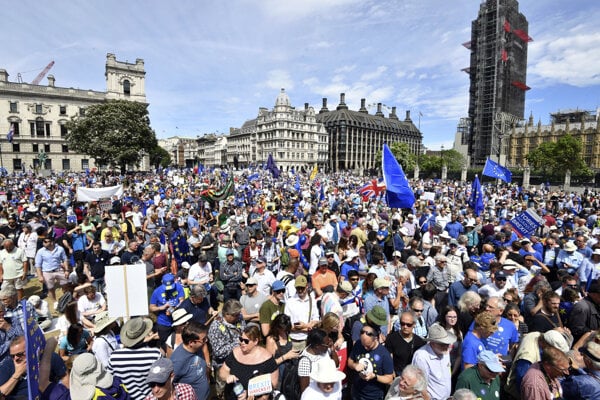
x=132, y=367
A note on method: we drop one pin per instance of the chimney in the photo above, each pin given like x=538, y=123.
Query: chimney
x=324, y=108
x=363, y=108
x=51, y=80
x=305, y=106
x=393, y=114
x=407, y=119
x=3, y=75
x=379, y=113
x=342, y=105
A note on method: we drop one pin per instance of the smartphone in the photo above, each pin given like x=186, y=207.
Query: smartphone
x=296, y=323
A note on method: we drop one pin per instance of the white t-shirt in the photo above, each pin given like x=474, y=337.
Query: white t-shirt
x=200, y=274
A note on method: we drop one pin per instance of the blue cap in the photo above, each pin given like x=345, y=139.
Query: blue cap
x=491, y=361
x=278, y=285
x=169, y=281
x=229, y=252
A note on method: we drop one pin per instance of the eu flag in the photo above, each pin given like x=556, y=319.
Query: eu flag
x=398, y=192
x=495, y=170
x=34, y=345
x=476, y=198
x=271, y=167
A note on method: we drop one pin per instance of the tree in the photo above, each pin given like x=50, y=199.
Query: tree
x=432, y=164
x=555, y=158
x=159, y=157
x=402, y=153
x=114, y=133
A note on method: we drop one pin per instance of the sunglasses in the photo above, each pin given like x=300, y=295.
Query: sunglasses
x=353, y=279
x=18, y=355
x=279, y=291
x=244, y=340
x=250, y=284
x=500, y=279
x=417, y=310
x=409, y=324
x=368, y=333
x=153, y=384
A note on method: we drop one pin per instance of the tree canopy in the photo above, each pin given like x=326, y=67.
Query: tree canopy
x=432, y=164
x=554, y=158
x=402, y=153
x=159, y=157
x=114, y=133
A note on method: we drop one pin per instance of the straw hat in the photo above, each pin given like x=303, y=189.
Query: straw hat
x=135, y=330
x=324, y=371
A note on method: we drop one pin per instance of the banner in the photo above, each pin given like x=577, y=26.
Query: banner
x=126, y=290
x=93, y=194
x=526, y=223
x=35, y=342
x=398, y=192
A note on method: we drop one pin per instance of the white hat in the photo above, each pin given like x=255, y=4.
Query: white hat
x=350, y=254
x=510, y=264
x=185, y=265
x=324, y=371
x=128, y=214
x=291, y=240
x=404, y=231
x=570, y=246
x=445, y=235
x=180, y=316
x=86, y=374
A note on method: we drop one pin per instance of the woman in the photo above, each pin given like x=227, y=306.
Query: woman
x=325, y=382
x=343, y=247
x=316, y=251
x=247, y=360
x=150, y=226
x=410, y=385
x=77, y=341
x=318, y=345
x=279, y=343
x=28, y=243
x=512, y=296
x=70, y=316
x=513, y=314
x=105, y=341
x=353, y=243
x=180, y=320
x=373, y=363
x=363, y=263
x=449, y=320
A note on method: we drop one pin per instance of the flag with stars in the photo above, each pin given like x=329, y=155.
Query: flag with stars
x=476, y=198
x=495, y=170
x=34, y=346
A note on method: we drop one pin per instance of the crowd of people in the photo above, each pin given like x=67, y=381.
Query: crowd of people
x=299, y=287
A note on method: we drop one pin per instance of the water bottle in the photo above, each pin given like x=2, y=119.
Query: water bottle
x=238, y=388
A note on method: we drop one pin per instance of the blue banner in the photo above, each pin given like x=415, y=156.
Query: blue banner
x=35, y=342
x=526, y=223
x=495, y=170
x=398, y=192
x=476, y=198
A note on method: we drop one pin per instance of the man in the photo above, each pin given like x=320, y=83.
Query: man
x=91, y=304
x=434, y=361
x=128, y=227
x=188, y=362
x=8, y=331
x=585, y=315
x=194, y=241
x=569, y=258
x=94, y=266
x=14, y=266
x=484, y=379
x=272, y=307
x=585, y=384
x=505, y=339
x=458, y=288
x=454, y=228
x=542, y=380
x=303, y=312
x=360, y=232
x=163, y=302
x=131, y=255
x=403, y=344
x=322, y=278
x=251, y=301
x=135, y=359
x=52, y=267
x=198, y=305
x=590, y=269
x=381, y=289
x=231, y=275
x=12, y=230
x=160, y=379
x=437, y=274
x=567, y=281
x=350, y=263
x=474, y=342
x=264, y=276
x=287, y=273
x=547, y=317
x=497, y=287
x=241, y=236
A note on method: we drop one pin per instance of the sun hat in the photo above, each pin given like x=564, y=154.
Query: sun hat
x=381, y=283
x=438, y=334
x=160, y=371
x=224, y=228
x=556, y=339
x=116, y=260
x=570, y=246
x=135, y=330
x=378, y=316
x=350, y=254
x=445, y=235
x=278, y=285
x=596, y=252
x=510, y=264
x=491, y=361
x=301, y=281
x=86, y=374
x=35, y=299
x=291, y=240
x=169, y=281
x=180, y=317
x=185, y=265
x=128, y=214
x=252, y=281
x=325, y=371
x=397, y=253
x=102, y=321
x=345, y=286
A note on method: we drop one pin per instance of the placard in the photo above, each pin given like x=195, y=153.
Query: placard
x=126, y=290
x=260, y=385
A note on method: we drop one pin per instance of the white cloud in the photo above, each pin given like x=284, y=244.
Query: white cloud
x=278, y=78
x=369, y=76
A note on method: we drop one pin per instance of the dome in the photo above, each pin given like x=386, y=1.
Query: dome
x=282, y=99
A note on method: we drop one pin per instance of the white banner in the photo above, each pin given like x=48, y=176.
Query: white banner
x=94, y=194
x=126, y=289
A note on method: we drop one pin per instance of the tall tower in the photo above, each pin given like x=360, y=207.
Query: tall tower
x=125, y=81
x=497, y=72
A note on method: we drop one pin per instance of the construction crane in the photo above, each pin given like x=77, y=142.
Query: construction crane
x=41, y=75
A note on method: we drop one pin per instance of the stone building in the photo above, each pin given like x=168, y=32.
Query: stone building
x=581, y=124
x=355, y=137
x=37, y=115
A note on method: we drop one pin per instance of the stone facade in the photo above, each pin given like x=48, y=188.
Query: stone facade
x=38, y=115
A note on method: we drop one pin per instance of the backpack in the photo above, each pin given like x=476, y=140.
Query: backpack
x=347, y=329
x=290, y=383
x=64, y=300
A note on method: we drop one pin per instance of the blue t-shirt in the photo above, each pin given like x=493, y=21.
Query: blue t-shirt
x=500, y=341
x=160, y=297
x=73, y=350
x=471, y=348
x=190, y=368
x=382, y=363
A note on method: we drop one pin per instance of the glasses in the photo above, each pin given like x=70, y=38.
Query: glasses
x=573, y=286
x=368, y=333
x=508, y=300
x=353, y=279
x=153, y=384
x=500, y=279
x=250, y=284
x=279, y=291
x=18, y=355
x=330, y=256
x=244, y=340
x=409, y=324
x=202, y=340
x=417, y=310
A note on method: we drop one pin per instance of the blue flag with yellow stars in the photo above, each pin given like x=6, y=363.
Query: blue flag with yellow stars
x=34, y=346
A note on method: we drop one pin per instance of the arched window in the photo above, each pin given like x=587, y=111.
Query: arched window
x=126, y=87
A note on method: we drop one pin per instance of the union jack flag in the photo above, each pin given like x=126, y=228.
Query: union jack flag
x=371, y=189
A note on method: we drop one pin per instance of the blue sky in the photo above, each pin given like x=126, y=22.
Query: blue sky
x=211, y=64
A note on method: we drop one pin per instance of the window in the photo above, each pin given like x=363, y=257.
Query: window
x=63, y=130
x=13, y=107
x=39, y=127
x=35, y=148
x=38, y=108
x=15, y=126
x=66, y=164
x=47, y=148
x=82, y=111
x=47, y=128
x=65, y=148
x=85, y=163
x=48, y=164
x=126, y=87
x=62, y=110
x=17, y=164
x=16, y=148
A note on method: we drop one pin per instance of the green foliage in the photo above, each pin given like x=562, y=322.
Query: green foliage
x=159, y=157
x=553, y=159
x=431, y=165
x=402, y=153
x=115, y=133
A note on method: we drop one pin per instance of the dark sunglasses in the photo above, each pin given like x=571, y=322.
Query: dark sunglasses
x=417, y=310
x=500, y=279
x=250, y=284
x=279, y=291
x=244, y=340
x=409, y=324
x=369, y=334
x=18, y=355
x=153, y=384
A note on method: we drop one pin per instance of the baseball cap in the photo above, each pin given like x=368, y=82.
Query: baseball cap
x=491, y=361
x=160, y=371
x=251, y=281
x=261, y=260
x=229, y=252
x=278, y=285
x=169, y=281
x=301, y=281
x=381, y=283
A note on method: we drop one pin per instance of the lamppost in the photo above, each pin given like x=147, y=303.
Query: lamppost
x=444, y=167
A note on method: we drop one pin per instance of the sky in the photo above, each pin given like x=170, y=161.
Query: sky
x=211, y=64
